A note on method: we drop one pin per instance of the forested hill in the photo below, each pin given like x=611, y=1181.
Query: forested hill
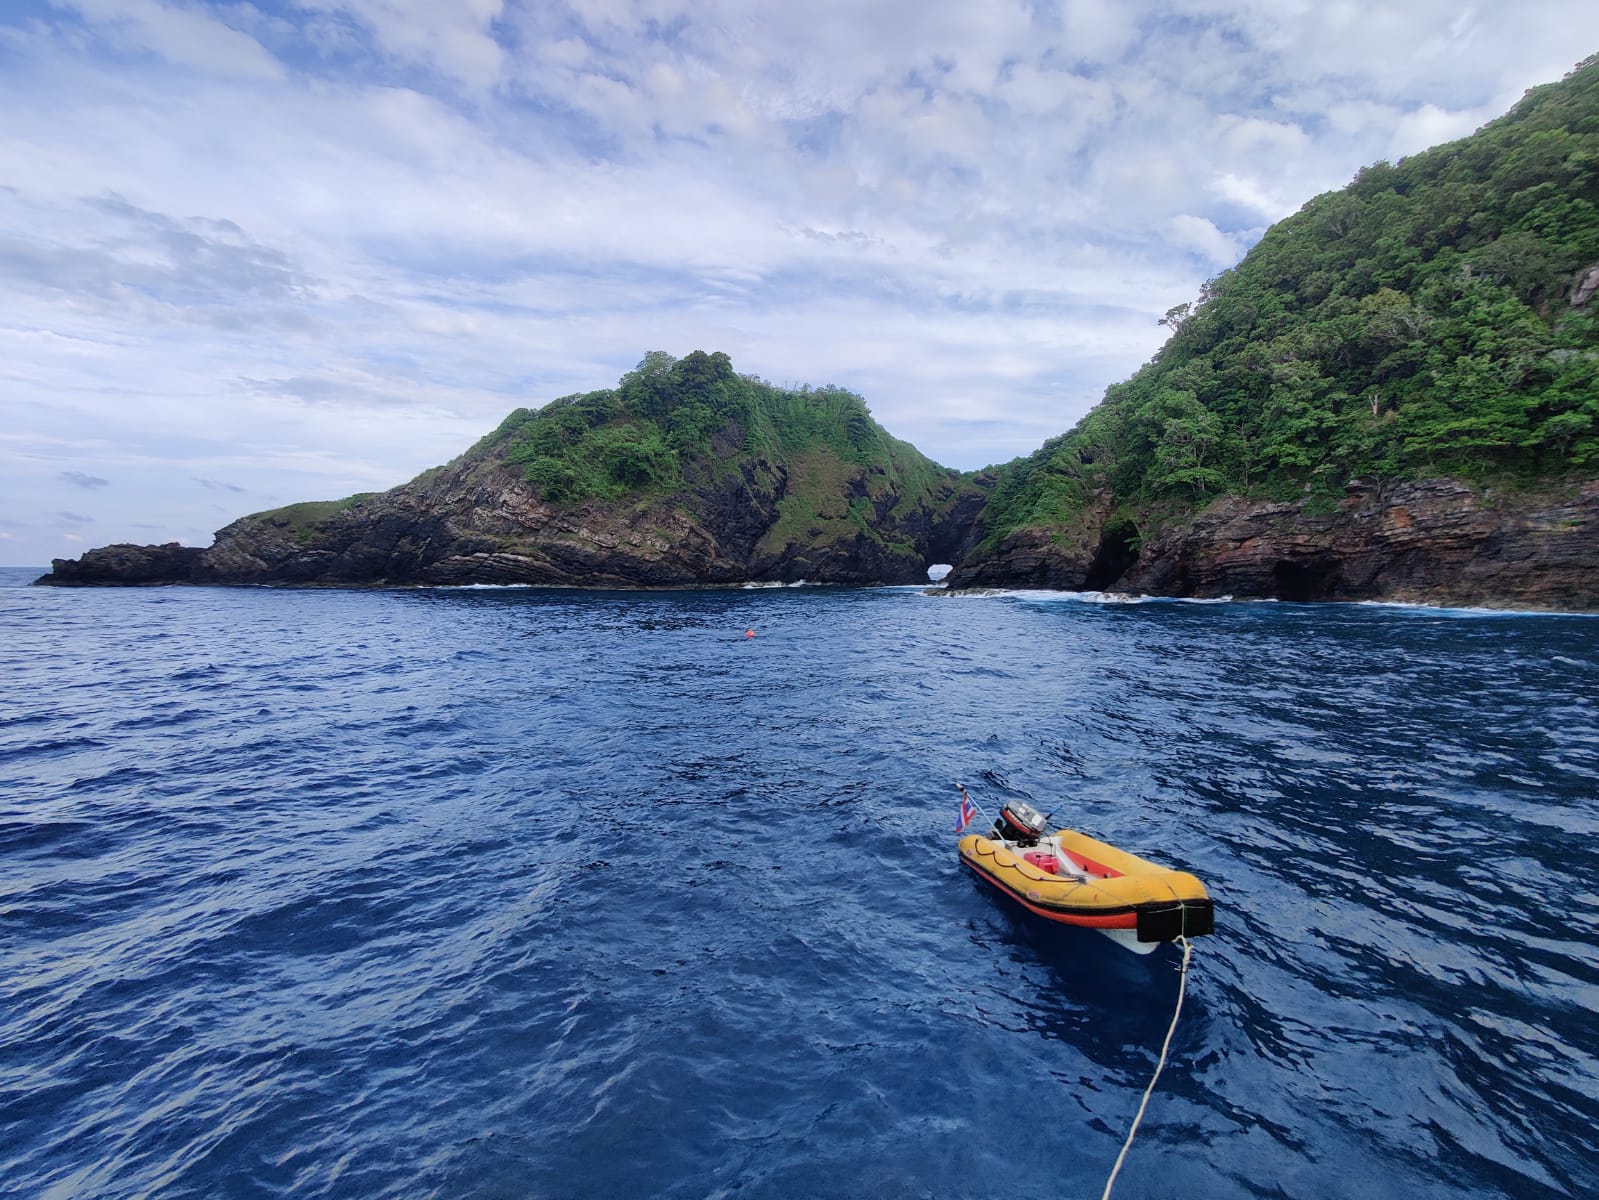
x=671, y=422
x=1435, y=318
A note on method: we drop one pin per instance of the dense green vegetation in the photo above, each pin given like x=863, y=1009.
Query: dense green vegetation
x=1422, y=321
x=669, y=419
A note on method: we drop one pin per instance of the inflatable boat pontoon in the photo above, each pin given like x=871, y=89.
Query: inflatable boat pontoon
x=1074, y=879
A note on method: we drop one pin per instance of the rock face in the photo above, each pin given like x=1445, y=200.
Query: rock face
x=1435, y=541
x=126, y=564
x=1586, y=285
x=1088, y=554
x=478, y=520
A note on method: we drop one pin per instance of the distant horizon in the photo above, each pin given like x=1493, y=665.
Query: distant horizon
x=261, y=254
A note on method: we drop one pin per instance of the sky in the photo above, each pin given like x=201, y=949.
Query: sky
x=252, y=254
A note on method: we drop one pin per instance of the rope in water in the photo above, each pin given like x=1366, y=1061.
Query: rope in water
x=1182, y=986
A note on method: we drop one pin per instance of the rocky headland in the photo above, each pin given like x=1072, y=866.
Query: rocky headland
x=606, y=491
x=481, y=523
x=1435, y=541
x=1395, y=395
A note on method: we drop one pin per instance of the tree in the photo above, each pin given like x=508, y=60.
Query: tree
x=1177, y=316
x=650, y=389
x=1187, y=434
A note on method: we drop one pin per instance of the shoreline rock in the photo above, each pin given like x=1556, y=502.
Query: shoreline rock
x=125, y=565
x=1436, y=541
x=478, y=521
x=1425, y=541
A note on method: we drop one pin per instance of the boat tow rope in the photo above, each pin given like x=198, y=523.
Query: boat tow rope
x=1182, y=986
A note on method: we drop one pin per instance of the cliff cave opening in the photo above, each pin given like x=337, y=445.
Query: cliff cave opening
x=1118, y=550
x=937, y=571
x=1304, y=579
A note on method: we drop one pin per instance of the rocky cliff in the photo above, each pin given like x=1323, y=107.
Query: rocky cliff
x=1436, y=541
x=1433, y=541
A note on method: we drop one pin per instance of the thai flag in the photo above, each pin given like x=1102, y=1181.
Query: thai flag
x=968, y=811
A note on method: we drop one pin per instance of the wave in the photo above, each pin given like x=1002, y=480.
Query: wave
x=458, y=897
x=1467, y=610
x=1055, y=596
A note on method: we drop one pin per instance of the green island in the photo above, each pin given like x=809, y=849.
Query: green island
x=1394, y=395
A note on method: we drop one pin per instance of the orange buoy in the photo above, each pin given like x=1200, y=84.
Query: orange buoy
x=749, y=633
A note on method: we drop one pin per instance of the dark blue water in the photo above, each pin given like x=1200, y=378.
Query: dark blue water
x=515, y=893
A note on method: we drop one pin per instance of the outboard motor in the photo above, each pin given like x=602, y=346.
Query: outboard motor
x=1019, y=823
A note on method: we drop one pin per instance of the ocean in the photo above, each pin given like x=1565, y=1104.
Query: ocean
x=539, y=893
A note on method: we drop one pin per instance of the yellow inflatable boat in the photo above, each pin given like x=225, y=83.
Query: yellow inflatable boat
x=1074, y=879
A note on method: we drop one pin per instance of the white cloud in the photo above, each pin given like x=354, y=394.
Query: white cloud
x=455, y=38
x=1252, y=195
x=1430, y=125
x=1201, y=236
x=1252, y=135
x=1097, y=30
x=314, y=251
x=184, y=36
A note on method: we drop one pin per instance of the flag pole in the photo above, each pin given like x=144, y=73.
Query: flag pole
x=976, y=807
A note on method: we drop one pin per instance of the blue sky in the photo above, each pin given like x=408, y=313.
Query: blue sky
x=258, y=253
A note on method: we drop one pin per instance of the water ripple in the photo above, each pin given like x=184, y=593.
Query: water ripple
x=512, y=892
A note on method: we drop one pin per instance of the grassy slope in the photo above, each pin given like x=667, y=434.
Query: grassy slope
x=302, y=519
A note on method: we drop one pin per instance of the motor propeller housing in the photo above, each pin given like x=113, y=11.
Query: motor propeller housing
x=1019, y=823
